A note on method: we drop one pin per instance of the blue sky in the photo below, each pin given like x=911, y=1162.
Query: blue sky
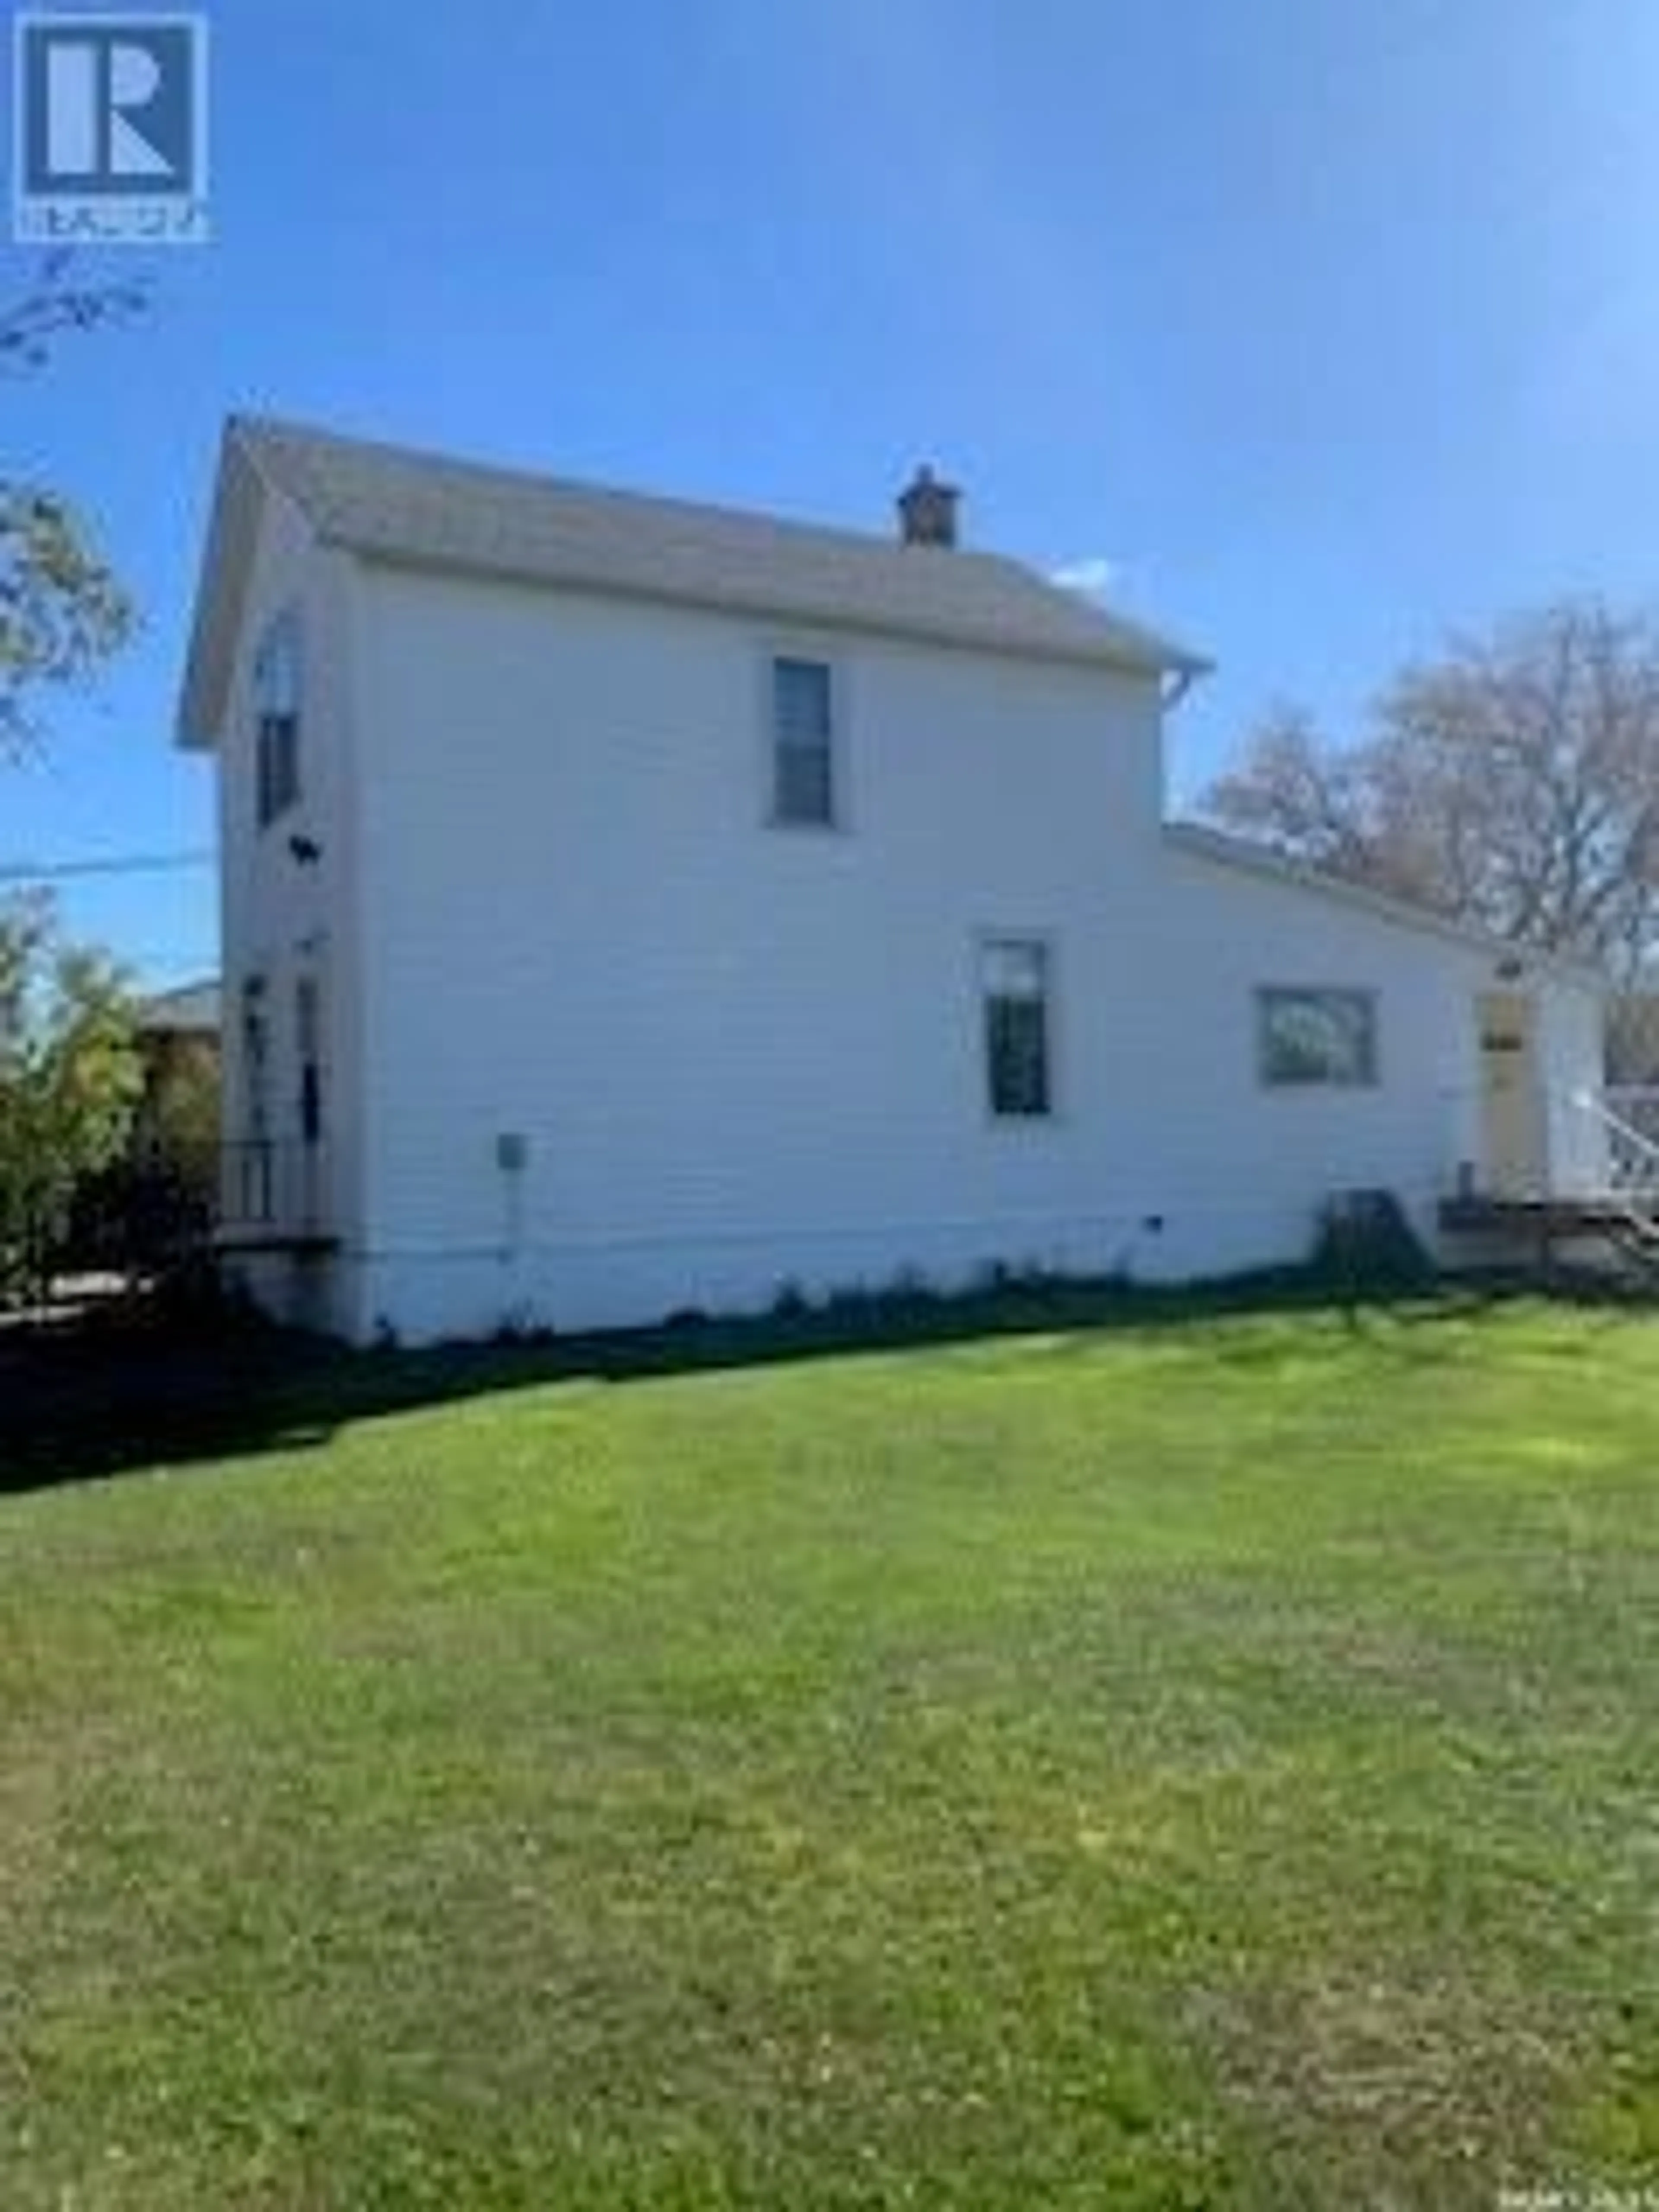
x=1325, y=325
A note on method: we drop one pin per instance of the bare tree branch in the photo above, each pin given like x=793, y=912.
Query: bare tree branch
x=58, y=306
x=1513, y=780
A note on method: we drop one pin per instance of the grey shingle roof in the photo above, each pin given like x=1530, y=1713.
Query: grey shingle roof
x=425, y=508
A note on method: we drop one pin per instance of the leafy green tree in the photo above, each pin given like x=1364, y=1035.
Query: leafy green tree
x=63, y=609
x=180, y=1120
x=70, y=1080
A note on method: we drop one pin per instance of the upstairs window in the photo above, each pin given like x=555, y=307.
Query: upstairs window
x=804, y=794
x=1015, y=985
x=1316, y=1038
x=277, y=688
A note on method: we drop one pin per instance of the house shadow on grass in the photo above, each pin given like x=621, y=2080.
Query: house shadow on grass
x=140, y=1384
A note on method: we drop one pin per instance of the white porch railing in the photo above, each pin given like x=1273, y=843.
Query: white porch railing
x=272, y=1186
x=1626, y=1125
x=1631, y=1109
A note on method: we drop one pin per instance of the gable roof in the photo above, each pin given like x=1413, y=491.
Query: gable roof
x=1200, y=842
x=395, y=504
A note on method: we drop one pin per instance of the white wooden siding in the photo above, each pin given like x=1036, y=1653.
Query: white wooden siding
x=727, y=1057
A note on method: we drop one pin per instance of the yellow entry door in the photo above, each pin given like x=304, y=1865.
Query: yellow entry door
x=1511, y=1102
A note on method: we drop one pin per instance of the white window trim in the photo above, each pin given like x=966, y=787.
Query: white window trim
x=985, y=939
x=1316, y=1086
x=286, y=618
x=840, y=694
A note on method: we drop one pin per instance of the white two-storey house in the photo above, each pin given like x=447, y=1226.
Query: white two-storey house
x=632, y=906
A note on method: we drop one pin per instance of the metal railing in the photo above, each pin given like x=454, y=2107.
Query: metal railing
x=1630, y=1111
x=1631, y=1147
x=271, y=1184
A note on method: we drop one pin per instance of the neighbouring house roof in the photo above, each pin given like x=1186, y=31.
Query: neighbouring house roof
x=460, y=516
x=1201, y=842
x=191, y=1009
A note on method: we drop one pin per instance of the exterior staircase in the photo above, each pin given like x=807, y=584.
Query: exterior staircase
x=1627, y=1123
x=1615, y=1208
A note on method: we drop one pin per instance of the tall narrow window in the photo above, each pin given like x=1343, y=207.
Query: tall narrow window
x=249, y=1190
x=277, y=687
x=1016, y=987
x=256, y=1057
x=803, y=744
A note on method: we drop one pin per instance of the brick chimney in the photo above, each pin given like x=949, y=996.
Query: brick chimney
x=927, y=510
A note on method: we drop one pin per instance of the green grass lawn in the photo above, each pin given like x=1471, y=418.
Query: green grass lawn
x=1155, y=1765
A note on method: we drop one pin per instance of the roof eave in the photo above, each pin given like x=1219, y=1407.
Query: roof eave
x=1269, y=866
x=227, y=558
x=1160, y=658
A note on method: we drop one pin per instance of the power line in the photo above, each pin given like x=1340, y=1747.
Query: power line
x=121, y=864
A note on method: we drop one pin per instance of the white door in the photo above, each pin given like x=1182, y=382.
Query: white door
x=1512, y=1112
